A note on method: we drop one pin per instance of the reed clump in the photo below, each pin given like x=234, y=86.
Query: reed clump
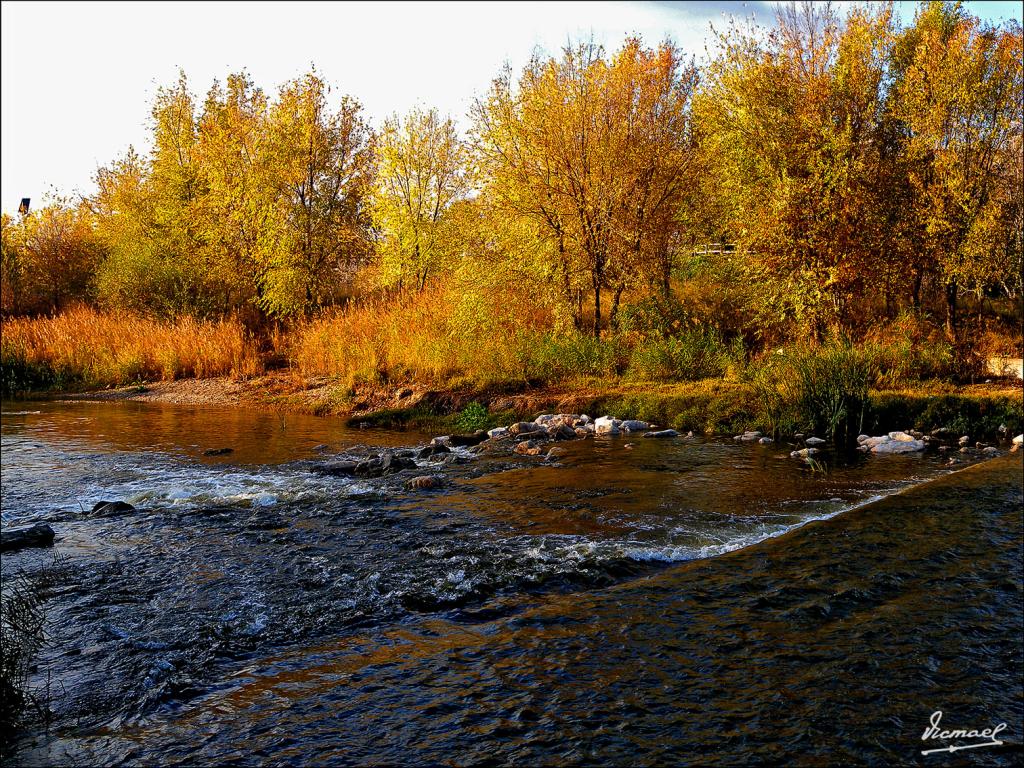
x=85, y=347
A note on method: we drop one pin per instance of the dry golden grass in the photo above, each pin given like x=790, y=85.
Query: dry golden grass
x=96, y=348
x=445, y=334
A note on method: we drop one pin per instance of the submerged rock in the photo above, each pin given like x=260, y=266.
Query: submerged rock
x=38, y=535
x=662, y=433
x=218, y=451
x=423, y=482
x=386, y=464
x=747, y=437
x=432, y=450
x=337, y=468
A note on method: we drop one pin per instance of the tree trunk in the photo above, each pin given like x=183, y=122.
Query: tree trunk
x=951, y=292
x=614, y=313
x=597, y=309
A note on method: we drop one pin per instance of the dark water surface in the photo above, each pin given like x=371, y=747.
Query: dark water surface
x=673, y=602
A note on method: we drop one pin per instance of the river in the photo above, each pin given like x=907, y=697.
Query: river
x=636, y=601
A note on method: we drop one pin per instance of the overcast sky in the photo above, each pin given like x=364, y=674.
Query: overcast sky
x=78, y=78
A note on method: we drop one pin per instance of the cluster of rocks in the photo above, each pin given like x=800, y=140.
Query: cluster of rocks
x=894, y=442
x=387, y=462
x=530, y=438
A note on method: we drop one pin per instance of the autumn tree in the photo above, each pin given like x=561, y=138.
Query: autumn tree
x=238, y=216
x=958, y=95
x=58, y=252
x=790, y=120
x=592, y=152
x=320, y=163
x=421, y=171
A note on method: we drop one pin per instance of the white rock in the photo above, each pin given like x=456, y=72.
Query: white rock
x=747, y=437
x=766, y=441
x=606, y=425
x=899, y=446
x=814, y=441
x=498, y=432
x=903, y=437
x=965, y=440
x=862, y=438
x=544, y=419
x=633, y=425
x=1018, y=440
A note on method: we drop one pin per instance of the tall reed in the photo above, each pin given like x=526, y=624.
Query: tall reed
x=86, y=347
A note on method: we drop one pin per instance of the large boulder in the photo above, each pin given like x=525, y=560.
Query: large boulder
x=38, y=535
x=497, y=433
x=606, y=425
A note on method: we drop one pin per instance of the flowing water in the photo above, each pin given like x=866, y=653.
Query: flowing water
x=640, y=601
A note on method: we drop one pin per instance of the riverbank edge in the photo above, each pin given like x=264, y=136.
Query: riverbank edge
x=990, y=412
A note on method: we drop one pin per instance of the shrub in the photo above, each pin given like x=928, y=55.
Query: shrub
x=694, y=355
x=821, y=389
x=471, y=418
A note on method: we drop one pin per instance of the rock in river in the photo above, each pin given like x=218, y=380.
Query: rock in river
x=38, y=535
x=467, y=440
x=529, y=448
x=662, y=433
x=111, y=508
x=423, y=483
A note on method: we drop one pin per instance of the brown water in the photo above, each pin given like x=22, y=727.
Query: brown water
x=665, y=602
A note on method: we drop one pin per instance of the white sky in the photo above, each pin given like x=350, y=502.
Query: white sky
x=78, y=78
